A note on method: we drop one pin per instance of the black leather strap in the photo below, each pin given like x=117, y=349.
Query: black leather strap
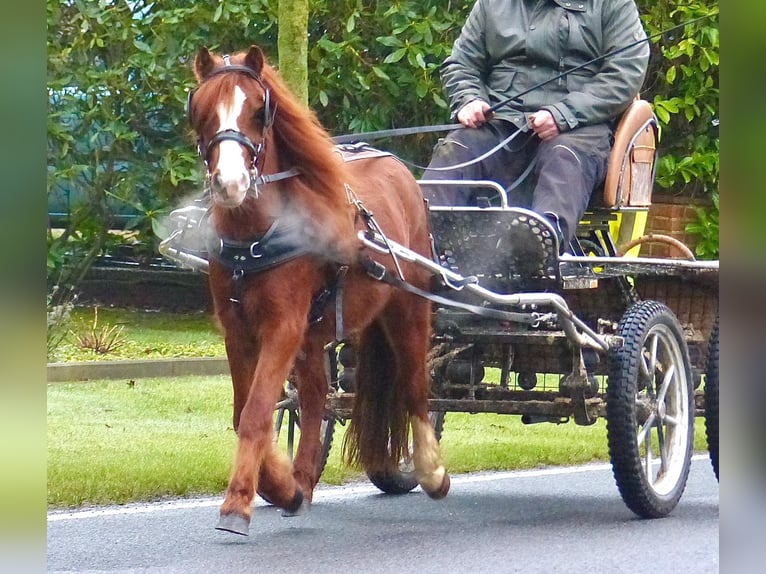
x=380, y=134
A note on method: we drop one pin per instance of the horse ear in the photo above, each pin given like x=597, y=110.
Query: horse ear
x=255, y=59
x=203, y=64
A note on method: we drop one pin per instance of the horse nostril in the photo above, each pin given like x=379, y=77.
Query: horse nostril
x=217, y=186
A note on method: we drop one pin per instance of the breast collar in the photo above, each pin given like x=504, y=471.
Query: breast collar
x=276, y=246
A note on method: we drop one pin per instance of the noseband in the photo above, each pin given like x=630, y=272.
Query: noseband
x=235, y=136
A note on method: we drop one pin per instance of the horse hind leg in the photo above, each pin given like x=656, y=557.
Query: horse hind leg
x=426, y=455
x=395, y=351
x=412, y=328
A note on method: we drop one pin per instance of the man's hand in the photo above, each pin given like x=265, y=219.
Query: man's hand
x=544, y=125
x=473, y=114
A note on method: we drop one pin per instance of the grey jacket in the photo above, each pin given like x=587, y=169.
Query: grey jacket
x=508, y=46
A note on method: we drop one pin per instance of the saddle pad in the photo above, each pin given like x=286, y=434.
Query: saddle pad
x=499, y=246
x=361, y=150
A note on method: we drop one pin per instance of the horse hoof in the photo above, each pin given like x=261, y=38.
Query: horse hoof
x=442, y=491
x=296, y=506
x=234, y=523
x=300, y=511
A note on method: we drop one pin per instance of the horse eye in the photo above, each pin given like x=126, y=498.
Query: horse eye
x=258, y=116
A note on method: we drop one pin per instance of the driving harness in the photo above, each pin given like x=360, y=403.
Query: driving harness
x=278, y=245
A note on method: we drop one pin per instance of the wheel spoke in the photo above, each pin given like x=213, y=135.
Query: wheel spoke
x=648, y=462
x=663, y=450
x=671, y=421
x=653, y=342
x=278, y=422
x=293, y=420
x=647, y=428
x=648, y=364
x=643, y=367
x=666, y=381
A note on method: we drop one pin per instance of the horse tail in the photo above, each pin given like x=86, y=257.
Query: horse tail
x=377, y=437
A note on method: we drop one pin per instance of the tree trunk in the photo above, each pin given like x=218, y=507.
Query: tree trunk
x=293, y=46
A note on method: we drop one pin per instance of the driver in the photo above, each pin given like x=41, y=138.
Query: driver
x=566, y=125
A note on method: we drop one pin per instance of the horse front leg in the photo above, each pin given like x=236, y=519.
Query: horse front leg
x=275, y=482
x=255, y=433
x=243, y=357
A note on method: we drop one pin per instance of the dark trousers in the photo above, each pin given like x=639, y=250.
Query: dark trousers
x=567, y=169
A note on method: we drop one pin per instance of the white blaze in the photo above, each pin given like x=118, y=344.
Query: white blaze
x=231, y=156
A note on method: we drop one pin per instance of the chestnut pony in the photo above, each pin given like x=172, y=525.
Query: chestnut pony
x=285, y=212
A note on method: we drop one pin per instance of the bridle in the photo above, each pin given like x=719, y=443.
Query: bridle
x=237, y=136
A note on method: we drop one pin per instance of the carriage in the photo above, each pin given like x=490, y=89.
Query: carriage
x=597, y=332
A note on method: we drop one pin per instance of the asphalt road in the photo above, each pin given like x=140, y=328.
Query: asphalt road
x=553, y=520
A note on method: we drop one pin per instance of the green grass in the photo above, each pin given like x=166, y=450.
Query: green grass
x=145, y=335
x=116, y=442
x=113, y=442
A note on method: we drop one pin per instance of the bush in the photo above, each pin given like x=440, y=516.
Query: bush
x=119, y=75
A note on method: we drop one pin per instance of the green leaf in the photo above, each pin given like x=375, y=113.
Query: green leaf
x=395, y=56
x=380, y=73
x=439, y=101
x=143, y=46
x=389, y=41
x=670, y=75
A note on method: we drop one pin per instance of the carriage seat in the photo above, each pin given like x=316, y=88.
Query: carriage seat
x=631, y=167
x=618, y=208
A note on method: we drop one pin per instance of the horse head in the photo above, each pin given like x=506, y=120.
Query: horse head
x=231, y=115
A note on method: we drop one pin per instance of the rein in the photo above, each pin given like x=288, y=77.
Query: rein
x=380, y=134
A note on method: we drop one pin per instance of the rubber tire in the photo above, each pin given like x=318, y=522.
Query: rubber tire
x=404, y=481
x=711, y=398
x=645, y=321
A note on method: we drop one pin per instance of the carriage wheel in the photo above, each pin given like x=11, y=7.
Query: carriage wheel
x=403, y=480
x=288, y=408
x=711, y=398
x=650, y=422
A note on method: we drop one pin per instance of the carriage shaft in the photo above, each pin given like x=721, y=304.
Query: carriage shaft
x=570, y=323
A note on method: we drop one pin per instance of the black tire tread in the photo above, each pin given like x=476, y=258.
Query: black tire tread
x=711, y=397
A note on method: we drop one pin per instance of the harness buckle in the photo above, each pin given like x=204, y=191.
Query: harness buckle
x=253, y=254
x=375, y=269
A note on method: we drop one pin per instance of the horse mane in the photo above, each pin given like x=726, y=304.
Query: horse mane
x=303, y=142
